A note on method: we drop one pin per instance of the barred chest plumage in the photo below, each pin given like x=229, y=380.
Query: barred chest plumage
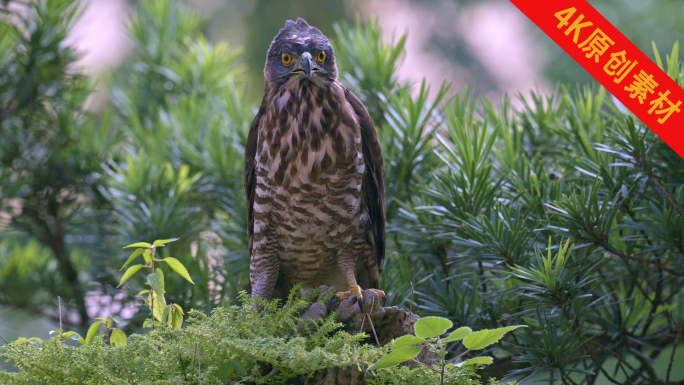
x=309, y=169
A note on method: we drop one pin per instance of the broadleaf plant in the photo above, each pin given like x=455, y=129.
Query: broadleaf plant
x=428, y=335
x=160, y=311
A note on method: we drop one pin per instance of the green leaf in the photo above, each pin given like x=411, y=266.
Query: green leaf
x=459, y=334
x=225, y=371
x=92, y=332
x=176, y=320
x=157, y=282
x=397, y=356
x=237, y=365
x=177, y=306
x=142, y=292
x=133, y=256
x=483, y=360
x=131, y=270
x=58, y=331
x=73, y=335
x=178, y=268
x=160, y=275
x=483, y=338
x=148, y=256
x=427, y=327
x=407, y=340
x=118, y=338
x=158, y=310
x=165, y=314
x=139, y=244
x=162, y=242
x=118, y=320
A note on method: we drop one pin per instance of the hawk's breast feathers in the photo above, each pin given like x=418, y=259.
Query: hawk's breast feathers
x=315, y=153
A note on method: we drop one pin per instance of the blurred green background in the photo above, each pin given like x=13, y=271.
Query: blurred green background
x=488, y=45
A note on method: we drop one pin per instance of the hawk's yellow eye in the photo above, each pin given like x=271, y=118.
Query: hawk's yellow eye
x=286, y=58
x=321, y=57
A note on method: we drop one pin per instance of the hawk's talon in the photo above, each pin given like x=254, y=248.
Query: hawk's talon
x=354, y=291
x=331, y=302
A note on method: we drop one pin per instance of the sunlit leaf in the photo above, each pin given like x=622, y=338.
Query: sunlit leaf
x=178, y=268
x=139, y=244
x=131, y=270
x=407, y=340
x=428, y=327
x=92, y=332
x=162, y=242
x=397, y=356
x=176, y=319
x=483, y=338
x=483, y=360
x=156, y=281
x=459, y=334
x=158, y=308
x=133, y=256
x=118, y=338
x=177, y=306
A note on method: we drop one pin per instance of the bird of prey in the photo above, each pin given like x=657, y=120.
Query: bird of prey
x=314, y=176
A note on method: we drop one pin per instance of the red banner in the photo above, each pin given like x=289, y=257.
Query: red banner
x=615, y=62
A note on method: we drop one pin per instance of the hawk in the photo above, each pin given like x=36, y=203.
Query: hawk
x=314, y=176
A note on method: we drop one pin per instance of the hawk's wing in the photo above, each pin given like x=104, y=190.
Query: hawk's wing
x=250, y=170
x=373, y=187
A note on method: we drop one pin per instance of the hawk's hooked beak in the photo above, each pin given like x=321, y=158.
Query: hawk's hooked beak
x=306, y=65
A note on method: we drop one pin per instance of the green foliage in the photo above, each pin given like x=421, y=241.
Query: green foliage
x=428, y=332
x=230, y=349
x=160, y=311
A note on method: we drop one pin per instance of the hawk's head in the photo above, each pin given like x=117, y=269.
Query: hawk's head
x=298, y=54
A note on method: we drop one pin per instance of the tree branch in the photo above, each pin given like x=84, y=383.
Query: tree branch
x=664, y=192
x=674, y=347
x=638, y=259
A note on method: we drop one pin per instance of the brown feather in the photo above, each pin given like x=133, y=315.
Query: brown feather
x=373, y=188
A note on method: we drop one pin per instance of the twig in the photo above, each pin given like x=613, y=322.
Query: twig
x=411, y=307
x=625, y=372
x=59, y=305
x=457, y=357
x=6, y=343
x=620, y=359
x=656, y=263
x=377, y=341
x=565, y=377
x=180, y=359
x=272, y=373
x=363, y=322
x=199, y=363
x=600, y=368
x=429, y=367
x=674, y=347
x=664, y=192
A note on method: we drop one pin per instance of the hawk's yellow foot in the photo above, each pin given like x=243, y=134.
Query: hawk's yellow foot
x=354, y=291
